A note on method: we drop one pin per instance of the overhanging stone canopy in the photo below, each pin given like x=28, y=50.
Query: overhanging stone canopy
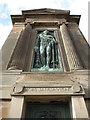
x=44, y=13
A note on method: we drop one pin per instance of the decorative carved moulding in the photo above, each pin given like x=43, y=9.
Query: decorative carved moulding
x=56, y=90
x=56, y=22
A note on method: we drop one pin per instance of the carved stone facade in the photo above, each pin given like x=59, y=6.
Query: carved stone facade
x=45, y=60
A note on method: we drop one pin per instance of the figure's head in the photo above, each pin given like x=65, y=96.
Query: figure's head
x=45, y=31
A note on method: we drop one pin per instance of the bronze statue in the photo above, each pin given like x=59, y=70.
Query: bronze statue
x=46, y=51
x=46, y=41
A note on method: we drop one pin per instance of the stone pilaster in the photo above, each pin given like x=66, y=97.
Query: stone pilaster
x=81, y=45
x=16, y=108
x=10, y=43
x=19, y=55
x=79, y=110
x=72, y=57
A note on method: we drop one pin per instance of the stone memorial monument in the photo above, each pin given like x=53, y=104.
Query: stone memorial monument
x=45, y=67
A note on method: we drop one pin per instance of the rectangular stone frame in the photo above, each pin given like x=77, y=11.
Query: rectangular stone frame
x=77, y=105
x=34, y=33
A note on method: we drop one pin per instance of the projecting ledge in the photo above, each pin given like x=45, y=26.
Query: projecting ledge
x=66, y=90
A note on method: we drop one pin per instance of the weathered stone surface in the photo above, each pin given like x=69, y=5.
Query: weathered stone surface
x=18, y=58
x=16, y=107
x=79, y=109
x=81, y=77
x=10, y=44
x=4, y=108
x=81, y=45
x=60, y=90
x=88, y=105
x=72, y=57
x=10, y=78
x=45, y=13
x=5, y=92
x=76, y=88
x=63, y=53
x=18, y=89
x=19, y=54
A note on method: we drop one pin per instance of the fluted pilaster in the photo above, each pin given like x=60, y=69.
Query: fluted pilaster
x=72, y=57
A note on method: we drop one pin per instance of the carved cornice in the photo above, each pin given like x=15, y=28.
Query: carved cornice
x=45, y=14
x=35, y=23
x=50, y=23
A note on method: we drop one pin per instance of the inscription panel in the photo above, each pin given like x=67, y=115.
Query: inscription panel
x=62, y=90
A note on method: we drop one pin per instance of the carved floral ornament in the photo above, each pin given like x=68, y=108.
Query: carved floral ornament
x=58, y=90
